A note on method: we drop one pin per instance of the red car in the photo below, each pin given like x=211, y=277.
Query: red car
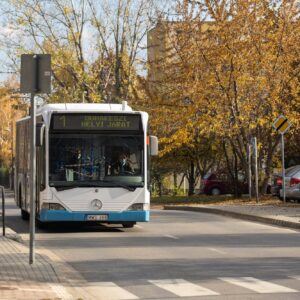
x=217, y=184
x=276, y=185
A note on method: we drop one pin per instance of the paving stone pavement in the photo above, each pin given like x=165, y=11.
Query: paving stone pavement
x=45, y=279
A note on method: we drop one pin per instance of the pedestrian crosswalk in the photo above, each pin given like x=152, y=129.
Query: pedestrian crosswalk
x=181, y=288
x=109, y=291
x=259, y=286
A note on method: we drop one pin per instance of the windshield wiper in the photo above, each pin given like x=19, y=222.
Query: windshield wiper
x=95, y=184
x=124, y=186
x=60, y=188
x=116, y=184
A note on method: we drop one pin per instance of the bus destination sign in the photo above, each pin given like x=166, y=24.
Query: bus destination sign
x=95, y=122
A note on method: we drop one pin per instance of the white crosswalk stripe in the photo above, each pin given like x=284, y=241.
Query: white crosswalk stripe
x=109, y=291
x=61, y=292
x=257, y=285
x=183, y=288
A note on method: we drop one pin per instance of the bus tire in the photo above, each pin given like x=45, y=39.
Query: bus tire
x=20, y=197
x=215, y=191
x=25, y=214
x=128, y=224
x=40, y=224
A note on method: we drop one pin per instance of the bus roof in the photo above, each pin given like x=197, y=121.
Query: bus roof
x=85, y=107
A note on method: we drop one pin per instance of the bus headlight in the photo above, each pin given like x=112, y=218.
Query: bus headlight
x=139, y=206
x=52, y=206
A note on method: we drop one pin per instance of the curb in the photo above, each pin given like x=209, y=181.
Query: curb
x=14, y=236
x=65, y=271
x=236, y=215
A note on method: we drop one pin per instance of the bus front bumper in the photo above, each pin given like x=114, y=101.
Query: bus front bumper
x=114, y=217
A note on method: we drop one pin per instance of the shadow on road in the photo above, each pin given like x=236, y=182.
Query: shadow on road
x=67, y=227
x=189, y=269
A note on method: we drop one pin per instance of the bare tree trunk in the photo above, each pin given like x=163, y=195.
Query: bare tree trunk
x=268, y=170
x=191, y=179
x=175, y=183
x=237, y=192
x=160, y=188
x=181, y=181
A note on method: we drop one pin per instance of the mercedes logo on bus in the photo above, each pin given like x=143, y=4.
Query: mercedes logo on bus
x=97, y=204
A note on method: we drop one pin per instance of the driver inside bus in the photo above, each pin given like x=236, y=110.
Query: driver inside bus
x=124, y=165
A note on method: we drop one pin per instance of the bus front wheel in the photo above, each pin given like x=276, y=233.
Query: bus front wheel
x=25, y=215
x=128, y=224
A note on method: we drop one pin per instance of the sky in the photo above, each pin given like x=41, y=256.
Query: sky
x=7, y=30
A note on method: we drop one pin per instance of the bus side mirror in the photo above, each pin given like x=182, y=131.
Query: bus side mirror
x=40, y=131
x=153, y=145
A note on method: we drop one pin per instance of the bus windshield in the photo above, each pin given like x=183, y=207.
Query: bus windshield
x=92, y=159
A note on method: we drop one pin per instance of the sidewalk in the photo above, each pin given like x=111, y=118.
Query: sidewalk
x=19, y=280
x=285, y=215
x=50, y=278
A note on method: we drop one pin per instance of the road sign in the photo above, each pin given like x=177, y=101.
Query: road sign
x=35, y=73
x=281, y=124
x=35, y=78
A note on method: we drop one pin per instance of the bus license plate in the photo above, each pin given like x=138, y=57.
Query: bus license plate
x=97, y=217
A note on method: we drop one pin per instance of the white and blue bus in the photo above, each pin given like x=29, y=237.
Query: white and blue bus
x=92, y=164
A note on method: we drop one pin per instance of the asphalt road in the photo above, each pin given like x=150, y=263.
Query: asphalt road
x=178, y=255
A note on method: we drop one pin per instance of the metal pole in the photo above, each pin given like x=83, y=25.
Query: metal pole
x=256, y=168
x=35, y=89
x=283, y=168
x=32, y=181
x=33, y=162
x=249, y=171
x=3, y=210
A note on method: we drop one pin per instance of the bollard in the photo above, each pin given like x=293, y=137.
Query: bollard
x=3, y=210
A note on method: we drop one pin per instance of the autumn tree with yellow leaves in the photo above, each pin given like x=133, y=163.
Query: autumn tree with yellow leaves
x=229, y=69
x=11, y=110
x=237, y=62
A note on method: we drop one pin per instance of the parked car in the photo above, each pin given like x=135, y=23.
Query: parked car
x=277, y=181
x=276, y=185
x=219, y=183
x=292, y=184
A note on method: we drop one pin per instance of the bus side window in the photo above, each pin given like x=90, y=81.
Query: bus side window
x=148, y=168
x=42, y=164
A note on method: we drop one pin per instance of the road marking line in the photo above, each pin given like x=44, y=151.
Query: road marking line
x=182, y=288
x=60, y=291
x=109, y=291
x=171, y=236
x=216, y=250
x=138, y=226
x=259, y=286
